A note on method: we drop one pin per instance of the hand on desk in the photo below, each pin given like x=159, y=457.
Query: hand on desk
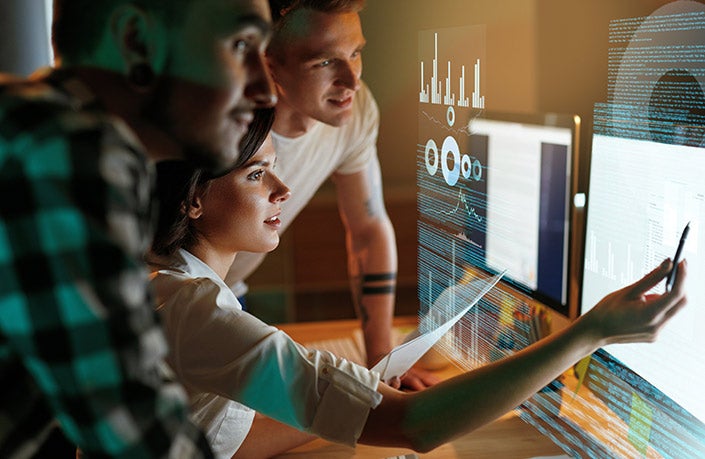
x=416, y=379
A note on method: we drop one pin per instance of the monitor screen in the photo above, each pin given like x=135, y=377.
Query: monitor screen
x=504, y=203
x=514, y=209
x=642, y=195
x=646, y=184
x=492, y=195
x=636, y=400
x=529, y=190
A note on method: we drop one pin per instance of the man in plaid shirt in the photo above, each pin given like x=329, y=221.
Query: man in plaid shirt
x=138, y=81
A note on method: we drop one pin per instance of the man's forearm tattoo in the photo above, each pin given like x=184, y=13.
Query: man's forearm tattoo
x=372, y=284
x=379, y=284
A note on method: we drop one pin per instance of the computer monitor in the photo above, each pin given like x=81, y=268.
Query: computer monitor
x=517, y=202
x=510, y=205
x=495, y=193
x=528, y=190
x=642, y=193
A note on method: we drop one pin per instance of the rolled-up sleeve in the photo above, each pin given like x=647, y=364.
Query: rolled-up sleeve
x=234, y=354
x=344, y=406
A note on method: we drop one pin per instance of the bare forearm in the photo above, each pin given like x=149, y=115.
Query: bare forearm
x=377, y=311
x=373, y=269
x=427, y=419
x=479, y=397
x=268, y=438
x=372, y=254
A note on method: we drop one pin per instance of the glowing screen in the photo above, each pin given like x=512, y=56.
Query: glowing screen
x=494, y=187
x=646, y=184
x=484, y=203
x=528, y=198
x=642, y=194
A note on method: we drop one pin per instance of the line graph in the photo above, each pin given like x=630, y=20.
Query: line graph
x=465, y=130
x=472, y=212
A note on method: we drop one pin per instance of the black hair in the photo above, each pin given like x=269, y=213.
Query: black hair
x=179, y=182
x=78, y=25
x=256, y=133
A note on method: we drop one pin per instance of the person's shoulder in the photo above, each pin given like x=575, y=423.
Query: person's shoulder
x=19, y=95
x=52, y=133
x=43, y=126
x=27, y=106
x=176, y=285
x=37, y=110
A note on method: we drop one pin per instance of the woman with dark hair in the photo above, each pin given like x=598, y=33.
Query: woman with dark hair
x=177, y=182
x=222, y=354
x=178, y=249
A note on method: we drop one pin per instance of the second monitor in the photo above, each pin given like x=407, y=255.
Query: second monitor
x=531, y=180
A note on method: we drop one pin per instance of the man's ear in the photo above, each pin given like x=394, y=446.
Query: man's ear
x=271, y=66
x=139, y=36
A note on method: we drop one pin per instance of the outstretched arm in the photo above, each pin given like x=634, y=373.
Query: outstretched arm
x=424, y=420
x=268, y=438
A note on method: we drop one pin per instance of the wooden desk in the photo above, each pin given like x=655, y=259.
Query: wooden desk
x=507, y=438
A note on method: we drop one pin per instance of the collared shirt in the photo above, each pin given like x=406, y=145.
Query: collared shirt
x=79, y=340
x=221, y=353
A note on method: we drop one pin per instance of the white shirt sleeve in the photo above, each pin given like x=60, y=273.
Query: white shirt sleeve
x=360, y=134
x=229, y=352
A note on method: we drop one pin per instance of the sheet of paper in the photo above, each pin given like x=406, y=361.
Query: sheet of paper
x=454, y=302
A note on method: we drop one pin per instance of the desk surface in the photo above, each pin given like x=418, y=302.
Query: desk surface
x=507, y=438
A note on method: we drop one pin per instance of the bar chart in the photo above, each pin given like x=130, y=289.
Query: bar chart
x=451, y=89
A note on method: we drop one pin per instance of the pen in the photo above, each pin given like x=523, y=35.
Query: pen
x=677, y=258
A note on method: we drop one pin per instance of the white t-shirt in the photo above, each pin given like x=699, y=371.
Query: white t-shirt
x=305, y=162
x=221, y=354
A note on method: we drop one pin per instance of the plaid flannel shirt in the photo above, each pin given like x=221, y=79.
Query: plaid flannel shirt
x=79, y=338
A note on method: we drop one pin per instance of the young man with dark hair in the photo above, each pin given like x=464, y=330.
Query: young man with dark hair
x=326, y=127
x=136, y=82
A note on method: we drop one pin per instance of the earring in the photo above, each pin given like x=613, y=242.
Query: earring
x=141, y=76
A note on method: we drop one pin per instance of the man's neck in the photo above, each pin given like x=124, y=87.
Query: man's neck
x=291, y=123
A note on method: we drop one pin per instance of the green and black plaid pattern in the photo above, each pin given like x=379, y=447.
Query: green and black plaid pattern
x=79, y=339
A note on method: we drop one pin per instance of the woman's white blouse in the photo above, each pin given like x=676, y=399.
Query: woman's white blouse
x=223, y=355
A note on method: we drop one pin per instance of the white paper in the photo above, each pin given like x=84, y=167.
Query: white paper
x=457, y=300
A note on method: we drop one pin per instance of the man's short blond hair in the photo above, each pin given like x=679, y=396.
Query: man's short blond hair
x=283, y=11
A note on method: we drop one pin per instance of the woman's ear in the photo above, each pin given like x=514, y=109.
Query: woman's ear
x=195, y=208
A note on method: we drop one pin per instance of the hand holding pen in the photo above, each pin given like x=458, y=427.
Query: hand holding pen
x=677, y=258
